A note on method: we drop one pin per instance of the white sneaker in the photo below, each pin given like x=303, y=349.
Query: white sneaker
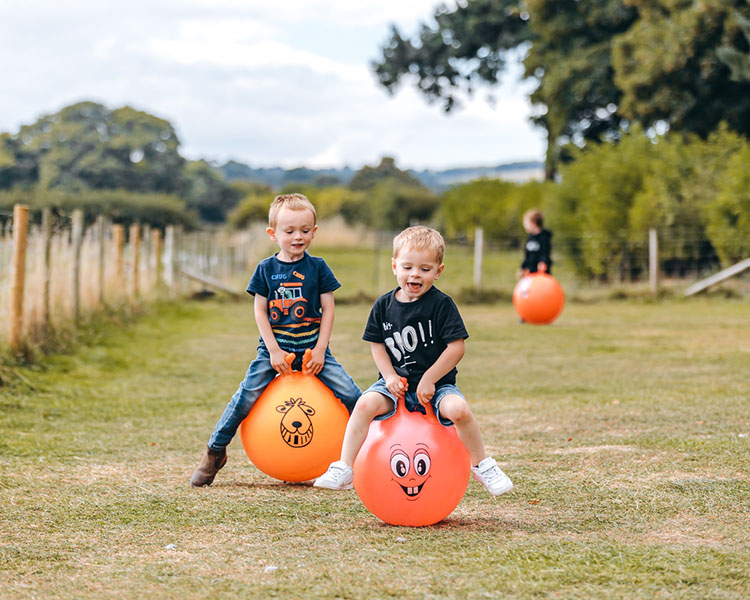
x=339, y=476
x=490, y=476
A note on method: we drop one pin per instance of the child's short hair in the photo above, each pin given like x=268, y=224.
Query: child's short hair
x=292, y=202
x=534, y=216
x=420, y=238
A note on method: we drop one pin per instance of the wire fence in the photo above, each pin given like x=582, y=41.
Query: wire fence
x=66, y=272
x=70, y=271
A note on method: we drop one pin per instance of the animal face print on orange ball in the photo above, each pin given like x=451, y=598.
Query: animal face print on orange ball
x=296, y=427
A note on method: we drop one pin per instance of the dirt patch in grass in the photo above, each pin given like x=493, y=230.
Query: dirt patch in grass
x=595, y=449
x=717, y=531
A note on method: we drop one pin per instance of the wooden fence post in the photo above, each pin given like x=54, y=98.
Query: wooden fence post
x=376, y=262
x=135, y=249
x=156, y=242
x=169, y=258
x=118, y=241
x=15, y=321
x=77, y=235
x=144, y=278
x=478, y=255
x=46, y=267
x=100, y=259
x=653, y=260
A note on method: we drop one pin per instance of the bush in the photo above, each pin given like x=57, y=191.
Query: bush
x=728, y=215
x=252, y=208
x=689, y=190
x=497, y=206
x=156, y=210
x=390, y=206
x=594, y=201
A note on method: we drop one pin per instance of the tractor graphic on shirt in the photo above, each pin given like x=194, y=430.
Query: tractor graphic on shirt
x=287, y=299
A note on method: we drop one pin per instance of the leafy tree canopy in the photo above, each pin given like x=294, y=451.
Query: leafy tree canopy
x=207, y=193
x=599, y=64
x=88, y=146
x=669, y=65
x=368, y=177
x=497, y=206
x=387, y=198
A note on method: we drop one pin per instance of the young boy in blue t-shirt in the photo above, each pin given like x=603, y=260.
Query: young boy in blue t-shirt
x=294, y=311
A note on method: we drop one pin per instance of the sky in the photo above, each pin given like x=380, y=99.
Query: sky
x=268, y=83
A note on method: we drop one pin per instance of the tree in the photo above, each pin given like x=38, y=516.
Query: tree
x=692, y=191
x=484, y=203
x=207, y=193
x=570, y=57
x=728, y=215
x=385, y=197
x=17, y=167
x=738, y=60
x=568, y=44
x=466, y=46
x=593, y=205
x=88, y=146
x=599, y=65
x=368, y=177
x=255, y=198
x=670, y=68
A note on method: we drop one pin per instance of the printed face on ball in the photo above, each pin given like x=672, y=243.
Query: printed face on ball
x=410, y=470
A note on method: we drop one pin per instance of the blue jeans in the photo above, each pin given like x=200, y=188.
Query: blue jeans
x=259, y=374
x=411, y=402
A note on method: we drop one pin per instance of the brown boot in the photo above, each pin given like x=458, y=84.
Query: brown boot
x=212, y=461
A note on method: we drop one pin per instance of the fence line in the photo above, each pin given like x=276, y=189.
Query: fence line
x=54, y=275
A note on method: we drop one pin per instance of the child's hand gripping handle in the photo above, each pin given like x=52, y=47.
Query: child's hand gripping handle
x=401, y=398
x=305, y=362
x=289, y=359
x=406, y=387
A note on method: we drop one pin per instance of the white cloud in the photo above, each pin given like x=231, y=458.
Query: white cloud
x=267, y=83
x=342, y=12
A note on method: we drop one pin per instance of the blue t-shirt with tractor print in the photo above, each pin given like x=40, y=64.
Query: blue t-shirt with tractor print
x=293, y=291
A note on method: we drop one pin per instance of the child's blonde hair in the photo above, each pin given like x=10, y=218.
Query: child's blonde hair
x=420, y=238
x=292, y=202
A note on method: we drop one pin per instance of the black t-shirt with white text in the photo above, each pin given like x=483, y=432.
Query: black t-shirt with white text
x=537, y=249
x=415, y=333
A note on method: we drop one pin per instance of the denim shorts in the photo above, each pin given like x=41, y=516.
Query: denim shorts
x=411, y=402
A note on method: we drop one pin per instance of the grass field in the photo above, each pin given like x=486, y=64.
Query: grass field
x=625, y=427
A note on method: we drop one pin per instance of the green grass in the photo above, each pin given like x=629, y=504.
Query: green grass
x=625, y=427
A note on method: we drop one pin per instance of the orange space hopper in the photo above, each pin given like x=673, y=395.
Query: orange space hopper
x=288, y=297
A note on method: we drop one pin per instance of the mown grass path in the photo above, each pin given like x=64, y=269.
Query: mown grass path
x=625, y=426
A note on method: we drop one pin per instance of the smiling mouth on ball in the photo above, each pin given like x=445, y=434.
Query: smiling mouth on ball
x=412, y=491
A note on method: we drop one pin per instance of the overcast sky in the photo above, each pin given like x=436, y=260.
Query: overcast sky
x=259, y=81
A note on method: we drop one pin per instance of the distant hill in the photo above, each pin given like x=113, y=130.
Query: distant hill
x=518, y=172
x=437, y=181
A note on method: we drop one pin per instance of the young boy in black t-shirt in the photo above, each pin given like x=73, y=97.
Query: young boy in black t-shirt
x=416, y=332
x=293, y=309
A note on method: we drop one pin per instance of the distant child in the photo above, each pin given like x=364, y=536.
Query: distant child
x=294, y=311
x=416, y=331
x=538, y=244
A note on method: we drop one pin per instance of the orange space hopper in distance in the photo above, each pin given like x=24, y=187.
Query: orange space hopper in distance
x=287, y=298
